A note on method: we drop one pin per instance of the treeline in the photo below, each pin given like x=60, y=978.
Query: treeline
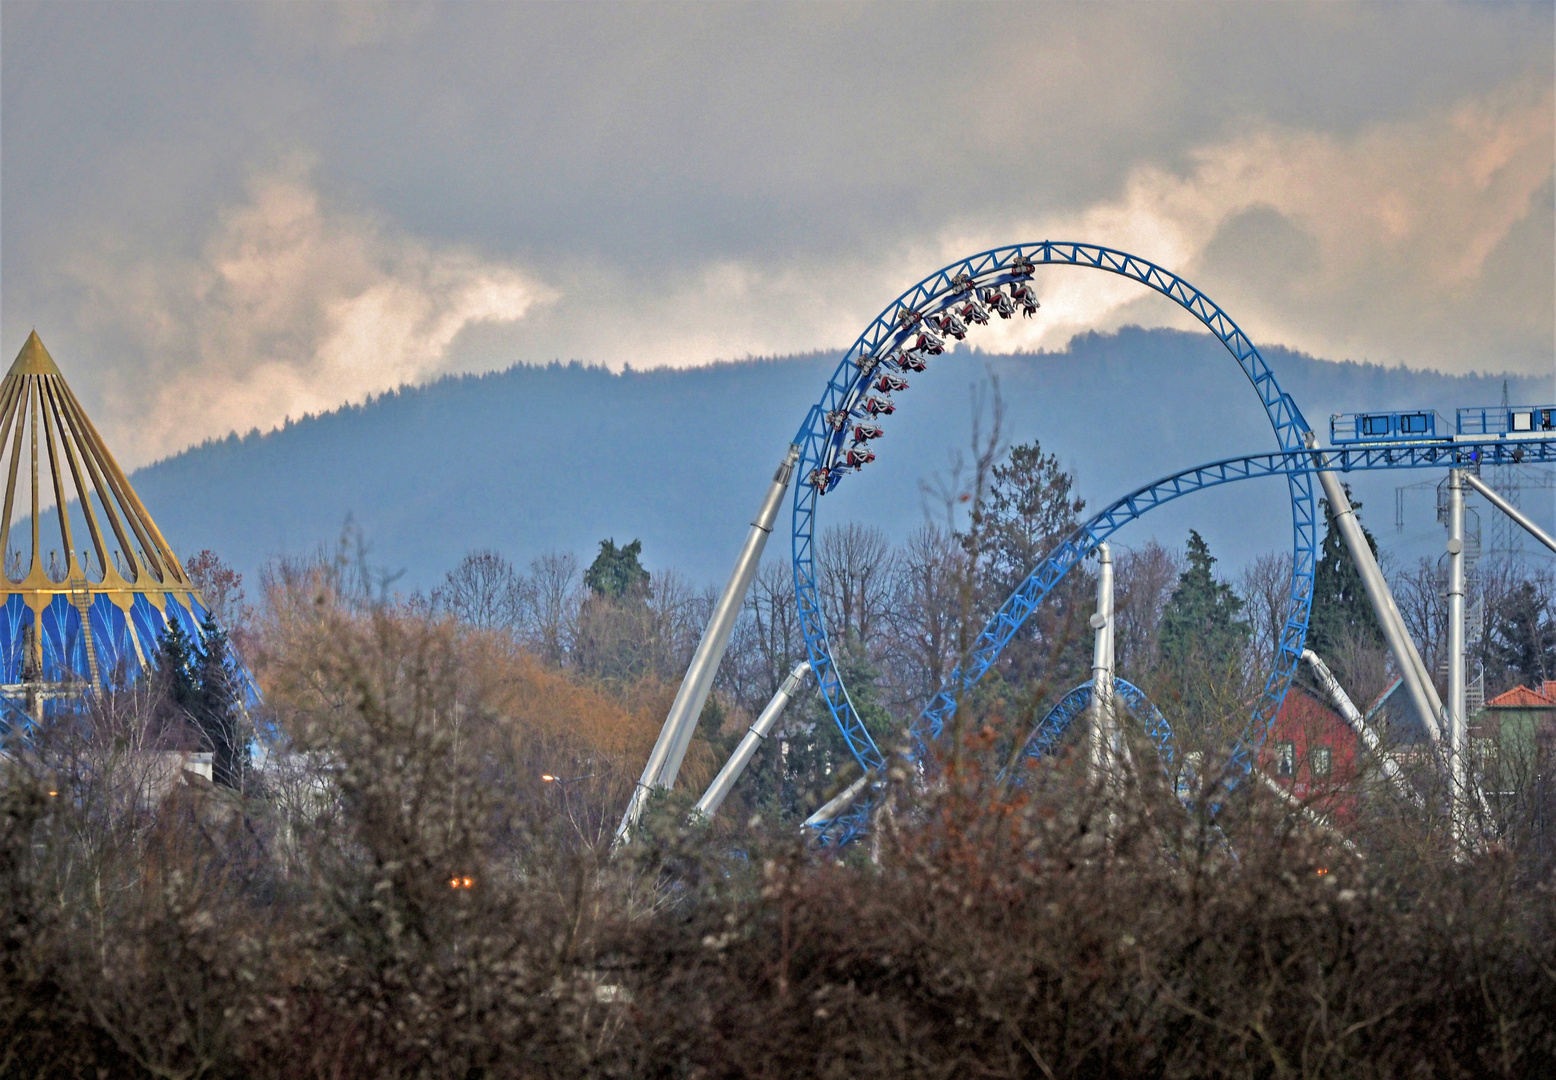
x=1200, y=643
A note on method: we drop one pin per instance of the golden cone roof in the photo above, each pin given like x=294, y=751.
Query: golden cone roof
x=49, y=444
x=34, y=359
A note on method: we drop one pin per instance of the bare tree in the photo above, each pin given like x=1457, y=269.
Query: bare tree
x=928, y=600
x=482, y=591
x=552, y=594
x=221, y=587
x=767, y=641
x=1266, y=591
x=854, y=564
x=676, y=615
x=1143, y=581
x=1419, y=594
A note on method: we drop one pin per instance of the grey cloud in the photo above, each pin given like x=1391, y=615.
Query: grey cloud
x=698, y=181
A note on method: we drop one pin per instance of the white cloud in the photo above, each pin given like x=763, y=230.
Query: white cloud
x=1379, y=245
x=290, y=308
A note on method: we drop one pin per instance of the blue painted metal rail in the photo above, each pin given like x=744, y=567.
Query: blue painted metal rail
x=1007, y=621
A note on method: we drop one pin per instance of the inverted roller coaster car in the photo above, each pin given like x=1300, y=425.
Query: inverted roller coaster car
x=974, y=313
x=888, y=383
x=929, y=344
x=1022, y=294
x=856, y=459
x=948, y=323
x=1000, y=301
x=878, y=406
x=910, y=361
x=866, y=432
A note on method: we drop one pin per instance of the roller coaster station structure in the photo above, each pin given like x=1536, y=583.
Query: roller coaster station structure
x=835, y=441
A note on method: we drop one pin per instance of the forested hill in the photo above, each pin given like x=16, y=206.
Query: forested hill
x=561, y=456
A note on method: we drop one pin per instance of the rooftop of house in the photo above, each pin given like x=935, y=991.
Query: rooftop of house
x=1521, y=697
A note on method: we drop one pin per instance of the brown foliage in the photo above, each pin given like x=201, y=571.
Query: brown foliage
x=1021, y=930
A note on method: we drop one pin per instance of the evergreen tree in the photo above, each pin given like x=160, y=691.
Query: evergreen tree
x=1202, y=639
x=198, y=687
x=616, y=572
x=217, y=711
x=1341, y=610
x=1522, y=637
x=1029, y=508
x=176, y=661
x=614, y=622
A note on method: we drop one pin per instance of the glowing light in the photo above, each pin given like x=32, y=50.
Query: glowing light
x=548, y=778
x=1322, y=871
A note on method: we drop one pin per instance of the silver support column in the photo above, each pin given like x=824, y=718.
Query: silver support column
x=1102, y=765
x=1347, y=708
x=1458, y=783
x=664, y=763
x=1412, y=671
x=1308, y=812
x=714, y=797
x=1509, y=509
x=838, y=803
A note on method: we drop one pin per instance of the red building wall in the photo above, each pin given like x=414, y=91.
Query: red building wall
x=1293, y=755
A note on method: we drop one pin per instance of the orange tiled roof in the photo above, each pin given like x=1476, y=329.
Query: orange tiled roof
x=1549, y=689
x=1521, y=697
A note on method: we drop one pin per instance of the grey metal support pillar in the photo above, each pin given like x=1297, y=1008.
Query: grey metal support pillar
x=1509, y=509
x=1457, y=700
x=1412, y=671
x=714, y=797
x=1347, y=708
x=664, y=763
x=838, y=803
x=1100, y=741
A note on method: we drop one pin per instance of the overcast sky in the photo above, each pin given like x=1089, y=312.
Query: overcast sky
x=219, y=215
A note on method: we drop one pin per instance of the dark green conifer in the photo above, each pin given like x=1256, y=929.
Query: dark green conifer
x=616, y=572
x=217, y=710
x=1203, y=639
x=1341, y=610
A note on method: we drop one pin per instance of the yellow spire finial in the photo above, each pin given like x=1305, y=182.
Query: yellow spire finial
x=34, y=359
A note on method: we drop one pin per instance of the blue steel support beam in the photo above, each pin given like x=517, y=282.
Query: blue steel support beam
x=1045, y=735
x=1014, y=612
x=1004, y=624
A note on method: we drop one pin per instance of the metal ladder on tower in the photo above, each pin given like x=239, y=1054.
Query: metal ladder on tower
x=1474, y=608
x=81, y=600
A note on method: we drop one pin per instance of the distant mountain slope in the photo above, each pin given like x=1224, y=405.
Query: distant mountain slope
x=538, y=457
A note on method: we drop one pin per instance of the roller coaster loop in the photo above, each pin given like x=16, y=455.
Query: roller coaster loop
x=821, y=441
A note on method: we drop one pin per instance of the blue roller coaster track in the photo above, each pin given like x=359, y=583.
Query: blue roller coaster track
x=1045, y=737
x=880, y=348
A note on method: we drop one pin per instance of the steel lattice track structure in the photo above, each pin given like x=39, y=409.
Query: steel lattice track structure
x=1297, y=459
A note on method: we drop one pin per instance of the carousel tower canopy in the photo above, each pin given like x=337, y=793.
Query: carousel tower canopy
x=90, y=581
